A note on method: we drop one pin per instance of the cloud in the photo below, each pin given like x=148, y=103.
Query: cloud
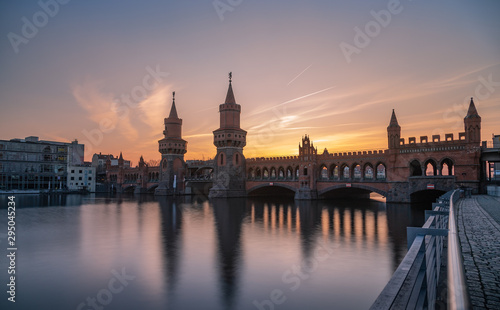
x=102, y=110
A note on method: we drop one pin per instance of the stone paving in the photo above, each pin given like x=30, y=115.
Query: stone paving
x=479, y=233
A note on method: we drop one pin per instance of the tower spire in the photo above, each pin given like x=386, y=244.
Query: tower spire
x=173, y=110
x=230, y=94
x=394, y=120
x=472, y=112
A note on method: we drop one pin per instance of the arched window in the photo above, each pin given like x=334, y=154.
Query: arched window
x=324, y=173
x=237, y=159
x=221, y=158
x=357, y=172
x=368, y=172
x=430, y=168
x=305, y=170
x=415, y=169
x=346, y=173
x=381, y=173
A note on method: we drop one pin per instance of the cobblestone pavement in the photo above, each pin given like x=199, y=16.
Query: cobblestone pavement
x=479, y=233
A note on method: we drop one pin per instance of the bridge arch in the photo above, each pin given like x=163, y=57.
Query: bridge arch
x=355, y=186
x=272, y=173
x=129, y=188
x=281, y=173
x=151, y=188
x=267, y=189
x=323, y=172
x=356, y=171
x=289, y=173
x=345, y=172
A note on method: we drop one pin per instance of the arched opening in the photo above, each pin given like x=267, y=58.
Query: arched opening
x=415, y=168
x=427, y=195
x=297, y=172
x=273, y=173
x=381, y=173
x=221, y=158
x=251, y=173
x=334, y=172
x=430, y=168
x=272, y=191
x=258, y=173
x=281, y=173
x=289, y=173
x=447, y=167
x=323, y=173
x=265, y=173
x=368, y=172
x=305, y=170
x=237, y=159
x=356, y=171
x=345, y=172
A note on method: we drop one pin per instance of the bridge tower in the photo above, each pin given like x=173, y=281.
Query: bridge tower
x=393, y=132
x=307, y=170
x=472, y=124
x=172, y=148
x=229, y=168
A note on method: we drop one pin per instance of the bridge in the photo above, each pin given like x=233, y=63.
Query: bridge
x=405, y=171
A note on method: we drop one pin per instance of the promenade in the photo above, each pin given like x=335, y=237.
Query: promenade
x=479, y=233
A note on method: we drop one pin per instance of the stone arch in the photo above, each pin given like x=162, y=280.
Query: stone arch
x=289, y=173
x=356, y=186
x=266, y=185
x=431, y=168
x=381, y=171
x=447, y=166
x=265, y=173
x=368, y=172
x=296, y=175
x=272, y=173
x=258, y=173
x=334, y=171
x=357, y=172
x=251, y=174
x=345, y=172
x=281, y=173
x=323, y=172
x=415, y=168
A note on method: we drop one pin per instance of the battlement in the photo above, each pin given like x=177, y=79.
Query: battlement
x=435, y=141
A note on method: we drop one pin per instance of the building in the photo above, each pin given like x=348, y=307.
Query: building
x=82, y=178
x=33, y=164
x=172, y=148
x=229, y=138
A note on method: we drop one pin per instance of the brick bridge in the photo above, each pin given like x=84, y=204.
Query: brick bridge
x=405, y=170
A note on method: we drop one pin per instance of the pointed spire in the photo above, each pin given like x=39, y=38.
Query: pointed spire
x=394, y=120
x=472, y=112
x=230, y=95
x=173, y=110
x=121, y=156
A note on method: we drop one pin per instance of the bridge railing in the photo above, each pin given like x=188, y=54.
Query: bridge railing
x=414, y=283
x=458, y=294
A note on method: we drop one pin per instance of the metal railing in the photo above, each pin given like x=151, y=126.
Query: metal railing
x=458, y=294
x=414, y=284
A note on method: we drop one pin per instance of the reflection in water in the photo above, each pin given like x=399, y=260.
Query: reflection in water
x=222, y=254
x=228, y=216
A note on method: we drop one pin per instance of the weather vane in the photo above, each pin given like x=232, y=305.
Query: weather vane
x=230, y=76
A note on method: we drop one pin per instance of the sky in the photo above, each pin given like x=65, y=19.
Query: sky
x=103, y=72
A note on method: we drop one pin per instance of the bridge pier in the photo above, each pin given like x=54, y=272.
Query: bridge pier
x=306, y=194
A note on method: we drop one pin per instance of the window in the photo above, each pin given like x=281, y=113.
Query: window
x=90, y=178
x=80, y=178
x=72, y=178
x=80, y=171
x=222, y=159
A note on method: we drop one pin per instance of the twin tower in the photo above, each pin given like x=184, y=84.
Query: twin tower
x=229, y=163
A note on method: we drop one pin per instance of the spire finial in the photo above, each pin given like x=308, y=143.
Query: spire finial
x=230, y=77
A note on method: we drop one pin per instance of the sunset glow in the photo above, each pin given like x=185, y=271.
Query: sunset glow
x=104, y=72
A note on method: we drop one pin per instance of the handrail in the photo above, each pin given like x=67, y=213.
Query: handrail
x=458, y=294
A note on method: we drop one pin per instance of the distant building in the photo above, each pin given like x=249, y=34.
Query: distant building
x=82, y=177
x=33, y=164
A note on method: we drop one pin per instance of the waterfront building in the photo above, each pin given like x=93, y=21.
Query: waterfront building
x=33, y=164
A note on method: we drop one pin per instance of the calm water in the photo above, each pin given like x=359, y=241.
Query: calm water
x=158, y=253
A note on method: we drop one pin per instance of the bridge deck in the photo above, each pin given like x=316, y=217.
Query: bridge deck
x=479, y=232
